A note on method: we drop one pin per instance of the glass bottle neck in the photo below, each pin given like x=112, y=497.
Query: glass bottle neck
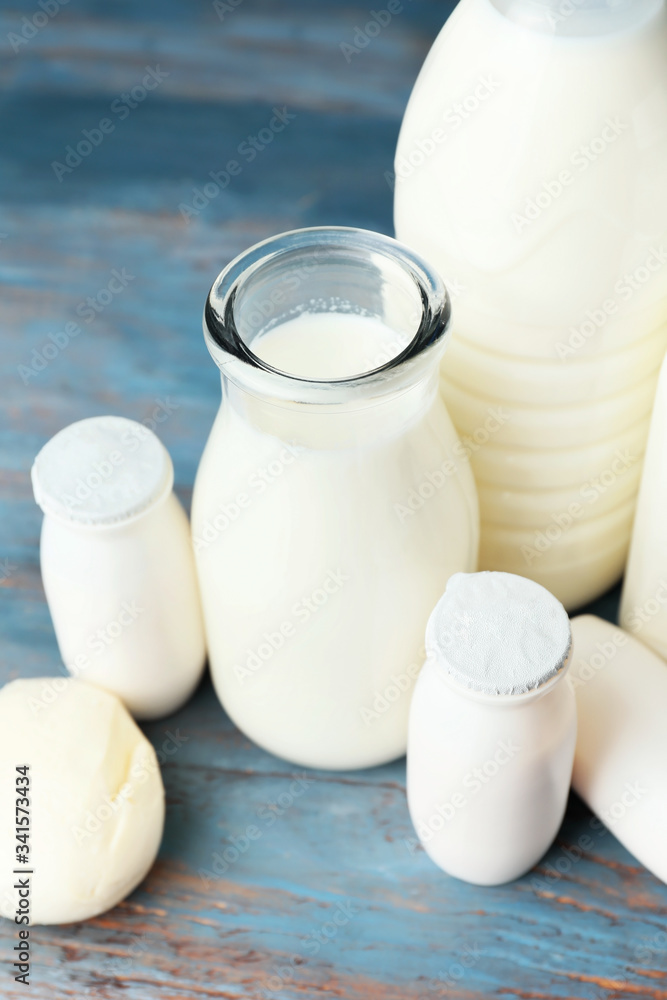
x=355, y=423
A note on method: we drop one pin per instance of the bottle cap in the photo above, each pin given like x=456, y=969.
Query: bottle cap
x=498, y=633
x=101, y=471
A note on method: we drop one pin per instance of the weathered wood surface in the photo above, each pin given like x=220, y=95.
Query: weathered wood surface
x=331, y=898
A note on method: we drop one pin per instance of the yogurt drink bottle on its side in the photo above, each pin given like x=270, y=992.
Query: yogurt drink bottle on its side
x=530, y=171
x=643, y=609
x=619, y=766
x=332, y=501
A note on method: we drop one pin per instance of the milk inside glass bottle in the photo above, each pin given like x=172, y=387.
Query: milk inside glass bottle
x=333, y=500
x=530, y=171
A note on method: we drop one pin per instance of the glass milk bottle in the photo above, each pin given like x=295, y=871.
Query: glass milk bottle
x=530, y=171
x=333, y=500
x=492, y=728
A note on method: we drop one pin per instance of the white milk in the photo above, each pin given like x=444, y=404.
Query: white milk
x=324, y=347
x=530, y=171
x=324, y=535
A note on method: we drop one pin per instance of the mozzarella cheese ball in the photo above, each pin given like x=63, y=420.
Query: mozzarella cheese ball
x=96, y=806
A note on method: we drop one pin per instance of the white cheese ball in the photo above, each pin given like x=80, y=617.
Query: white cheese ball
x=96, y=798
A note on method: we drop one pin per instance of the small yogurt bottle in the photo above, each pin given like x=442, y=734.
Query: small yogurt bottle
x=117, y=564
x=492, y=728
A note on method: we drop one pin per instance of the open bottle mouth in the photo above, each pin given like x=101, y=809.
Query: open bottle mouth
x=320, y=272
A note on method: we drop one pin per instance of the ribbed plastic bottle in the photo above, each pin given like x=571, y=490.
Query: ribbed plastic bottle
x=531, y=170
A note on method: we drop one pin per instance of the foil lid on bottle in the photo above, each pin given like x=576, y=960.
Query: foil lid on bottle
x=101, y=471
x=498, y=633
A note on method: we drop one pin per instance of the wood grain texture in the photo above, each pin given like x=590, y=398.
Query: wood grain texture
x=331, y=898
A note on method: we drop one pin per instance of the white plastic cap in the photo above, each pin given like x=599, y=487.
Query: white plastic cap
x=498, y=634
x=101, y=471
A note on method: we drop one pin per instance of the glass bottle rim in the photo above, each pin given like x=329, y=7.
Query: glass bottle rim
x=237, y=361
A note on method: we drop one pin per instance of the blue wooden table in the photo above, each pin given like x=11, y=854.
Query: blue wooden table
x=333, y=897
